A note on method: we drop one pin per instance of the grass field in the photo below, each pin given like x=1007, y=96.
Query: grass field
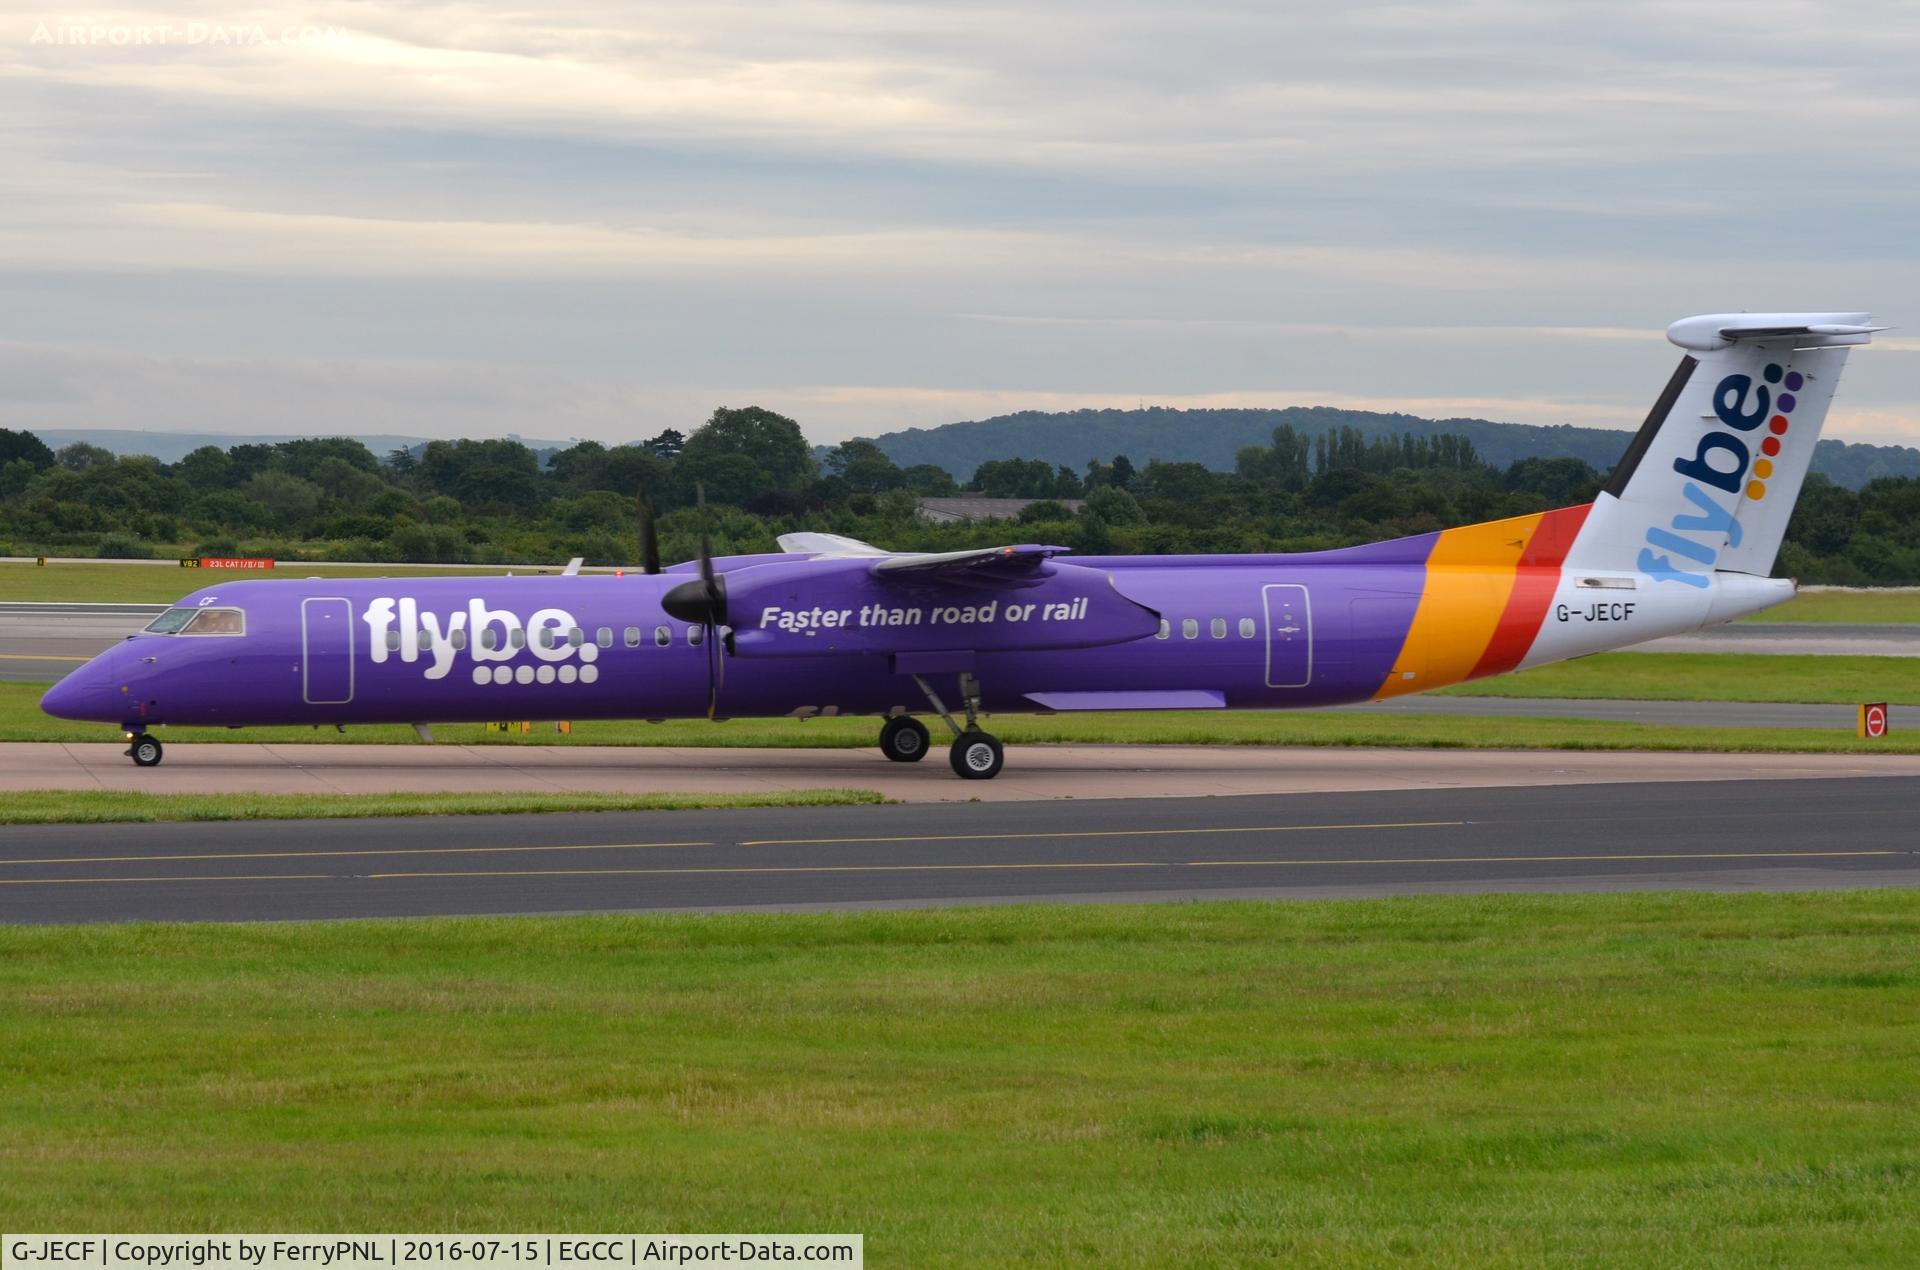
x=1712, y=677
x=21, y=720
x=161, y=584
x=96, y=806
x=1606, y=1080
x=1864, y=606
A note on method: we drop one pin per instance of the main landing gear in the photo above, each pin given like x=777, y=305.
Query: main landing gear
x=904, y=739
x=975, y=755
x=145, y=751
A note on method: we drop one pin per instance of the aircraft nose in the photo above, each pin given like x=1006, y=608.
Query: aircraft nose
x=87, y=695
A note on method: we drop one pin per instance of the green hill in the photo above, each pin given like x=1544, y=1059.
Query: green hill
x=1214, y=437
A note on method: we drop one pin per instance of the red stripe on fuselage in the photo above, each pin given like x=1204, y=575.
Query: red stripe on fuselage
x=1535, y=580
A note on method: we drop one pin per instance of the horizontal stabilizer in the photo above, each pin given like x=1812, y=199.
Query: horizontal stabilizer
x=1712, y=332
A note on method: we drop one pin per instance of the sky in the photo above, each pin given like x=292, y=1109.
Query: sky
x=598, y=220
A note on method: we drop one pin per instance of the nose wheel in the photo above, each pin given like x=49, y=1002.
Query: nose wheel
x=145, y=751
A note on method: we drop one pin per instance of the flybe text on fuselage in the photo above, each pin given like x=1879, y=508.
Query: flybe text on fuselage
x=490, y=637
x=1721, y=472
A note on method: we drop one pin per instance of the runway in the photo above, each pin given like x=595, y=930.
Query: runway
x=1738, y=835
x=1034, y=773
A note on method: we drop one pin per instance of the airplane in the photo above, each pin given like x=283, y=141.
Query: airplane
x=1684, y=535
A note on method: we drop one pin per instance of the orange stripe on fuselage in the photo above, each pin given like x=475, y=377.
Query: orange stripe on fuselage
x=1470, y=577
x=1534, y=584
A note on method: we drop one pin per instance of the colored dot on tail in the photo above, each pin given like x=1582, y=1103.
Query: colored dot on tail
x=1794, y=381
x=1772, y=372
x=1778, y=423
x=1763, y=468
x=1756, y=490
x=1785, y=402
x=1770, y=446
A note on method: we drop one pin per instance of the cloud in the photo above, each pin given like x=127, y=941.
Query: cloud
x=461, y=213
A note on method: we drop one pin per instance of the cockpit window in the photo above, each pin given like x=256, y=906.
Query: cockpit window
x=184, y=620
x=171, y=620
x=217, y=622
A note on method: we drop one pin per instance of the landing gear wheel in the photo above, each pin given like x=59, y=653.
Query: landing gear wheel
x=904, y=739
x=976, y=756
x=145, y=752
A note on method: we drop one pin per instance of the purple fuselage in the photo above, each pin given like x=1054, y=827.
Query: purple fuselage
x=1239, y=631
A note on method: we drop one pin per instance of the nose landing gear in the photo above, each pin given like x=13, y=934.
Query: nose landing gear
x=145, y=751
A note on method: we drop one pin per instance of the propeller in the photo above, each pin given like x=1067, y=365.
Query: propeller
x=702, y=601
x=649, y=538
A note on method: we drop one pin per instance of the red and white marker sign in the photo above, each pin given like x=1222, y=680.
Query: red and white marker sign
x=1873, y=720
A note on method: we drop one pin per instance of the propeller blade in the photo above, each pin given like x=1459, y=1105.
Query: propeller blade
x=649, y=538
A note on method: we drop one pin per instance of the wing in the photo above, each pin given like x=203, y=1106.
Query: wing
x=983, y=566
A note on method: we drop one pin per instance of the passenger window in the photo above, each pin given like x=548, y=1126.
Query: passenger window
x=489, y=640
x=1189, y=628
x=393, y=641
x=1246, y=628
x=459, y=637
x=575, y=637
x=517, y=637
x=216, y=622
x=633, y=636
x=1219, y=628
x=604, y=637
x=1166, y=629
x=662, y=635
x=695, y=634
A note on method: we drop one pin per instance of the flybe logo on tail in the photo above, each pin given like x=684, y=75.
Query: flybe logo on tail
x=1723, y=461
x=491, y=638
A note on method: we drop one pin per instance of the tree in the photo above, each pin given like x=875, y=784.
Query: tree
x=287, y=501
x=80, y=456
x=865, y=467
x=667, y=445
x=929, y=480
x=401, y=463
x=206, y=468
x=740, y=453
x=497, y=474
x=24, y=447
x=1115, y=506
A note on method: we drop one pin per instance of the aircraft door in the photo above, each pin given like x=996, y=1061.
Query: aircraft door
x=1289, y=614
x=326, y=651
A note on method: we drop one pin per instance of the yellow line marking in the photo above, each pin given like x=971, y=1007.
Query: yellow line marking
x=39, y=657
x=370, y=851
x=185, y=877
x=1099, y=833
x=1115, y=864
x=778, y=868
x=1550, y=859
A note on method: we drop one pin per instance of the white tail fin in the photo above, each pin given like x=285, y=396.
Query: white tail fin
x=1710, y=481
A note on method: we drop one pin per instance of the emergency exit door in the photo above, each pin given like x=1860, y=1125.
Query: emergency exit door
x=326, y=651
x=1289, y=636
